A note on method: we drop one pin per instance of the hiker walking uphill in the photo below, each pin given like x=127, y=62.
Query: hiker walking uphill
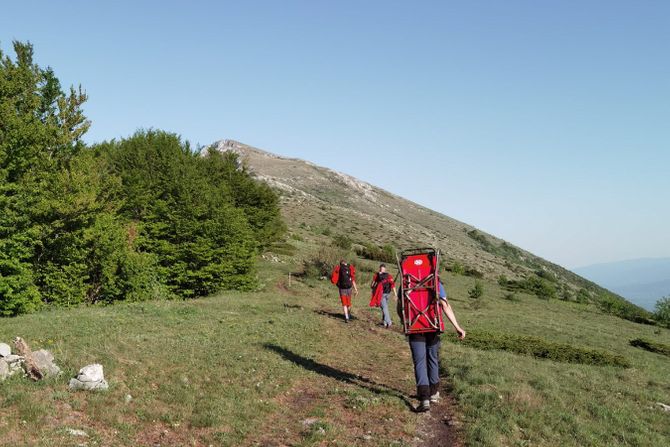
x=382, y=286
x=344, y=277
x=421, y=305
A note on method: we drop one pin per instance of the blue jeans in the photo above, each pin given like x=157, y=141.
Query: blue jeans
x=386, y=316
x=426, y=357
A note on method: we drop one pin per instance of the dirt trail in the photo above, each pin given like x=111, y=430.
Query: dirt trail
x=361, y=393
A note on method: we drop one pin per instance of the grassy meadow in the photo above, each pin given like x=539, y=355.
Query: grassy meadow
x=279, y=367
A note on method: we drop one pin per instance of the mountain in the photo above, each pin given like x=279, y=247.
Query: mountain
x=320, y=199
x=642, y=281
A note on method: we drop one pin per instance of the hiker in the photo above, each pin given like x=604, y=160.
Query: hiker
x=425, y=355
x=382, y=286
x=344, y=277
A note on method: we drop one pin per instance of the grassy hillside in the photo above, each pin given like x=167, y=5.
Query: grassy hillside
x=253, y=368
x=278, y=366
x=317, y=200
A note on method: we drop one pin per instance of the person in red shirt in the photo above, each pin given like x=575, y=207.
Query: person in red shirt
x=344, y=277
x=382, y=286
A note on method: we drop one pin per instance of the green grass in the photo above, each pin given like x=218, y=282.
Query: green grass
x=511, y=399
x=248, y=368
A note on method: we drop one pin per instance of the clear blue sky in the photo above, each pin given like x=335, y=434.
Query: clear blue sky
x=546, y=123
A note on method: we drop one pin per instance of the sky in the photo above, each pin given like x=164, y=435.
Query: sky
x=546, y=123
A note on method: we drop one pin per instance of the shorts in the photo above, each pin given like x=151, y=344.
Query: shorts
x=345, y=297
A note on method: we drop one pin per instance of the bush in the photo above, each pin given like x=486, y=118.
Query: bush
x=194, y=219
x=583, y=296
x=374, y=253
x=534, y=285
x=321, y=263
x=473, y=273
x=651, y=346
x=543, y=349
x=617, y=306
x=476, y=291
x=456, y=268
x=342, y=241
x=510, y=296
x=662, y=311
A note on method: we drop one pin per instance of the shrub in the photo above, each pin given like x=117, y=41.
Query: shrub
x=456, y=268
x=375, y=253
x=543, y=349
x=583, y=296
x=473, y=273
x=662, y=311
x=651, y=346
x=510, y=296
x=342, y=241
x=617, y=306
x=476, y=291
x=321, y=263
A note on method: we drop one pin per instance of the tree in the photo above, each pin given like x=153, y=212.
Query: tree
x=41, y=131
x=662, y=311
x=476, y=291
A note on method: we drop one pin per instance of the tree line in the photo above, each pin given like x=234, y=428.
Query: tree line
x=138, y=218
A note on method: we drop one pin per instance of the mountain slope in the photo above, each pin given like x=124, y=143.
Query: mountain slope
x=318, y=198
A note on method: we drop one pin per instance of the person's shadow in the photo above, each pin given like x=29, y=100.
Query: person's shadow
x=338, y=374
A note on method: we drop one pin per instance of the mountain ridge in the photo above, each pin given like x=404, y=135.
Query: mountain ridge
x=316, y=198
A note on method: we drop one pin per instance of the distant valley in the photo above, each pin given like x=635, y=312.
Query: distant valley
x=641, y=281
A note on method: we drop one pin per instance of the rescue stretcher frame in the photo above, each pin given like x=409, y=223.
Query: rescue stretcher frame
x=409, y=283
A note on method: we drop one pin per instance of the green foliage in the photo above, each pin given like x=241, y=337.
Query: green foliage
x=282, y=248
x=456, y=268
x=342, y=241
x=375, y=253
x=544, y=349
x=132, y=220
x=473, y=272
x=537, y=286
x=188, y=212
x=321, y=263
x=662, y=311
x=651, y=346
x=477, y=291
x=510, y=296
x=615, y=305
x=583, y=296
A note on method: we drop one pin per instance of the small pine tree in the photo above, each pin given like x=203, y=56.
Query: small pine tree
x=477, y=291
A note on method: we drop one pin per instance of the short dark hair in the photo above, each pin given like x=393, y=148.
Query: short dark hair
x=382, y=265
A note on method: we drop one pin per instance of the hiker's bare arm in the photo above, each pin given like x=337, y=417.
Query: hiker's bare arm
x=449, y=312
x=355, y=287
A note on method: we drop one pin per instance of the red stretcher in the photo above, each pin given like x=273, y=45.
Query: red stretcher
x=420, y=288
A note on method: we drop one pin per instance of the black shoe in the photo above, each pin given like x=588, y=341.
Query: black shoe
x=346, y=320
x=423, y=406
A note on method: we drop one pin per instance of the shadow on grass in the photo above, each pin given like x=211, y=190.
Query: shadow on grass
x=334, y=315
x=338, y=374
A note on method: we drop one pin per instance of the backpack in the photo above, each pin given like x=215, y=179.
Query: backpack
x=344, y=281
x=381, y=279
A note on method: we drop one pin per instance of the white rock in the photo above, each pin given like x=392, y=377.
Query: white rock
x=5, y=350
x=128, y=398
x=88, y=386
x=13, y=358
x=44, y=360
x=4, y=369
x=91, y=373
x=75, y=432
x=309, y=422
x=663, y=406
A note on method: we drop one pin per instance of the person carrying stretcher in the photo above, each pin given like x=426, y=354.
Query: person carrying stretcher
x=422, y=303
x=344, y=277
x=382, y=286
